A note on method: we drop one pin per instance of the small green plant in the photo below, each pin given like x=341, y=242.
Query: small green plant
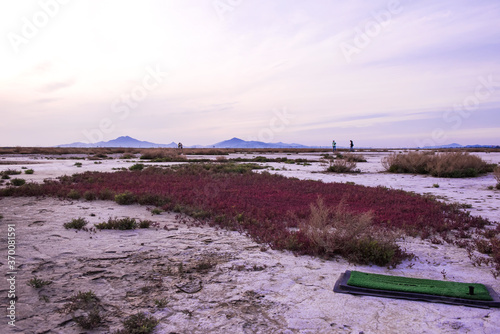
x=77, y=223
x=17, y=182
x=84, y=297
x=140, y=323
x=37, y=283
x=136, y=167
x=156, y=211
x=90, y=321
x=89, y=196
x=118, y=224
x=11, y=172
x=161, y=303
x=78, y=164
x=5, y=177
x=74, y=194
x=29, y=171
x=125, y=198
x=24, y=167
x=145, y=223
x=435, y=185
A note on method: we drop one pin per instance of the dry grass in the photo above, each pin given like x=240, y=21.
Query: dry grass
x=448, y=164
x=351, y=157
x=338, y=231
x=496, y=173
x=342, y=166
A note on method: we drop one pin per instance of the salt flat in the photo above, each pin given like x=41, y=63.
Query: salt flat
x=247, y=288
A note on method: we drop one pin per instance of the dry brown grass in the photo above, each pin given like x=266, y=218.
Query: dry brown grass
x=447, y=164
x=342, y=166
x=351, y=157
x=496, y=173
x=338, y=231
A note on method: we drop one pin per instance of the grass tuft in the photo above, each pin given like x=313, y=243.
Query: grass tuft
x=77, y=223
x=118, y=224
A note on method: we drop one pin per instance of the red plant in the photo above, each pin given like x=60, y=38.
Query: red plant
x=267, y=207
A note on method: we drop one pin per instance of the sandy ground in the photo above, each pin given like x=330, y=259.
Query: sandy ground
x=215, y=281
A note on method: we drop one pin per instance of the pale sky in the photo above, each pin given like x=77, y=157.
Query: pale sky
x=383, y=73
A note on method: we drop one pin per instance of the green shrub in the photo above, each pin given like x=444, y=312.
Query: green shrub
x=5, y=177
x=11, y=172
x=118, y=224
x=74, y=194
x=145, y=223
x=29, y=171
x=38, y=283
x=90, y=321
x=17, y=182
x=136, y=167
x=125, y=198
x=140, y=323
x=106, y=195
x=89, y=195
x=78, y=164
x=156, y=211
x=77, y=223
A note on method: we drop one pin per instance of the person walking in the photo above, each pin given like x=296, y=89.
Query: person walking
x=352, y=146
x=334, y=145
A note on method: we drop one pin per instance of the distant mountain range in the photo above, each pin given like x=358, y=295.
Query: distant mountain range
x=126, y=141
x=240, y=143
x=455, y=145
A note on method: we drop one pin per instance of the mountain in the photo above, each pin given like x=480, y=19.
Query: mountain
x=124, y=141
x=455, y=145
x=240, y=143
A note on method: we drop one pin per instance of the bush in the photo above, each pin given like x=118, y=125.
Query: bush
x=136, y=167
x=338, y=231
x=450, y=164
x=29, y=171
x=140, y=323
x=496, y=173
x=17, y=182
x=38, y=283
x=90, y=321
x=342, y=166
x=77, y=223
x=354, y=157
x=118, y=224
x=89, y=196
x=411, y=162
x=145, y=223
x=74, y=194
x=5, y=177
x=125, y=198
x=11, y=172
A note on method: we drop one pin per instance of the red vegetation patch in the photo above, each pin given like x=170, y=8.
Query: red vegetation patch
x=268, y=207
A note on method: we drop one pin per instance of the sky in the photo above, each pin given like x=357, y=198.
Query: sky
x=382, y=73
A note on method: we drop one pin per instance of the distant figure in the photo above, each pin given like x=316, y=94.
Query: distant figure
x=334, y=145
x=179, y=146
x=352, y=146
